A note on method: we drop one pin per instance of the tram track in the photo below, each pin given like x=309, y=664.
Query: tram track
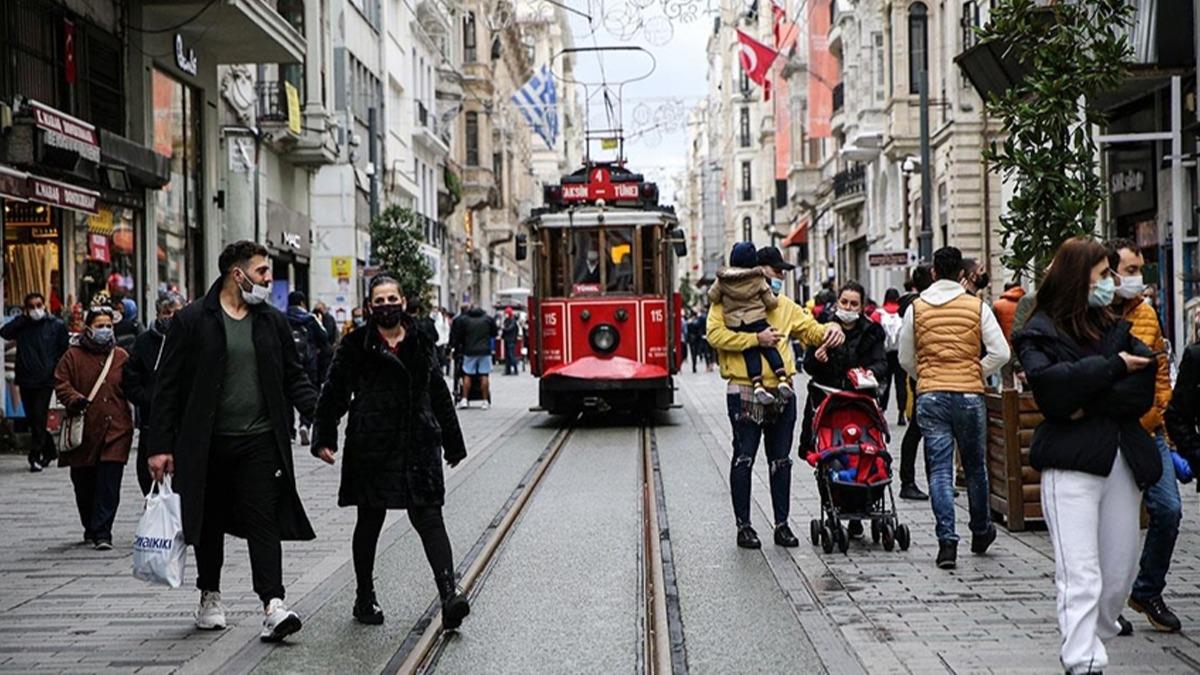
x=661, y=639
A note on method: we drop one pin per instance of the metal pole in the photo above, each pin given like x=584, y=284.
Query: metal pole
x=1177, y=226
x=925, y=239
x=373, y=157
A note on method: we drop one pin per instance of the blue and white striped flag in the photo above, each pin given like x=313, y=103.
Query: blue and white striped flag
x=538, y=102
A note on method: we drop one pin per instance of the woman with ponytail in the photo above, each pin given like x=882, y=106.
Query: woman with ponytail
x=402, y=424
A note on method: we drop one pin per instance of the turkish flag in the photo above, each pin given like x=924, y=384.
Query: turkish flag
x=756, y=60
x=69, y=51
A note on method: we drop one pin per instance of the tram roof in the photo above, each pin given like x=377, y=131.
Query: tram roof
x=595, y=216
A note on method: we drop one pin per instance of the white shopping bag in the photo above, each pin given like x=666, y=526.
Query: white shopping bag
x=159, y=552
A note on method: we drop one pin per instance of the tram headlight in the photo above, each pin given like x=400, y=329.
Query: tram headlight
x=621, y=314
x=604, y=338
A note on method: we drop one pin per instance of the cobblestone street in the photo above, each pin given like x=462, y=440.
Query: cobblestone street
x=67, y=608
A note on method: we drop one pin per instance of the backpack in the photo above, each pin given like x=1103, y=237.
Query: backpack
x=303, y=344
x=892, y=323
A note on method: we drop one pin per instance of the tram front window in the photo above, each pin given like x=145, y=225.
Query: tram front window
x=619, y=244
x=604, y=262
x=587, y=277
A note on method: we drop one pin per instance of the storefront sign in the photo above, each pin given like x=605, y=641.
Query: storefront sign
x=66, y=132
x=63, y=195
x=890, y=259
x=185, y=59
x=342, y=266
x=287, y=230
x=1131, y=187
x=98, y=248
x=293, y=104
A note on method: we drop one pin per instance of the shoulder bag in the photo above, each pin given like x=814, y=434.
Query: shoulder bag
x=70, y=437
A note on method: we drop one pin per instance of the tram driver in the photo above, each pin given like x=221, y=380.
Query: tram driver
x=590, y=272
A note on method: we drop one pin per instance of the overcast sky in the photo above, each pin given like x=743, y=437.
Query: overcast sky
x=655, y=109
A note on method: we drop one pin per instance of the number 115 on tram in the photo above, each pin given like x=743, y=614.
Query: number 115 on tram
x=605, y=317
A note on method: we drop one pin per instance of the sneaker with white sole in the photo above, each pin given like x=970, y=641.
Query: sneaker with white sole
x=279, y=621
x=211, y=613
x=487, y=405
x=463, y=404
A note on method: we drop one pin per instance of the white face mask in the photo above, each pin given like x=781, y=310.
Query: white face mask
x=37, y=314
x=256, y=294
x=847, y=315
x=1131, y=287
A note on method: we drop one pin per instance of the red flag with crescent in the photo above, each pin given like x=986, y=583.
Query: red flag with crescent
x=756, y=60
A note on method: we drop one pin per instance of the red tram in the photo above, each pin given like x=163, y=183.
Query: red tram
x=604, y=316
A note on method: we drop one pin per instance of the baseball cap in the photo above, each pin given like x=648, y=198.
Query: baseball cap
x=770, y=256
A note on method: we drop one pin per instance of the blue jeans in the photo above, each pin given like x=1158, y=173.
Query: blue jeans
x=777, y=436
x=1166, y=509
x=946, y=419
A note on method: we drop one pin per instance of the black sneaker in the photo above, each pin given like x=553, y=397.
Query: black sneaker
x=1126, y=627
x=1157, y=613
x=748, y=538
x=981, y=542
x=783, y=537
x=367, y=610
x=911, y=491
x=947, y=557
x=855, y=529
x=34, y=466
x=901, y=421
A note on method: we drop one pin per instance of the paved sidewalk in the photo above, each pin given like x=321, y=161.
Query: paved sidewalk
x=995, y=613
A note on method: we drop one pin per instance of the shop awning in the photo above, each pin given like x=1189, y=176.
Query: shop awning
x=63, y=195
x=14, y=184
x=798, y=236
x=232, y=31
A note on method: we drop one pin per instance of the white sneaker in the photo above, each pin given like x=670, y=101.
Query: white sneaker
x=279, y=622
x=211, y=613
x=487, y=405
x=305, y=436
x=463, y=404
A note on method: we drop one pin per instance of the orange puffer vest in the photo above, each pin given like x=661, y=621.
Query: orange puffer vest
x=949, y=339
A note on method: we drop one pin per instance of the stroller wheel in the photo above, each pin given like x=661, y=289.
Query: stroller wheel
x=814, y=530
x=889, y=537
x=843, y=541
x=875, y=530
x=826, y=539
x=902, y=537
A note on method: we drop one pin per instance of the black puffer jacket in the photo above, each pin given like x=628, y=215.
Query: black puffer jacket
x=863, y=348
x=1091, y=403
x=1183, y=414
x=401, y=418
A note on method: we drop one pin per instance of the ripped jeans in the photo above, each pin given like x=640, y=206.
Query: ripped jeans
x=777, y=436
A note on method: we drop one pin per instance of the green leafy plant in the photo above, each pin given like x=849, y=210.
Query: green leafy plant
x=396, y=248
x=1071, y=51
x=687, y=292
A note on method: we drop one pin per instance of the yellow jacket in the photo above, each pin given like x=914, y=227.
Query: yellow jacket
x=1145, y=327
x=788, y=318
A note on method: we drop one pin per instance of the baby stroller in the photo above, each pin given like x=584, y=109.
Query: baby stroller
x=853, y=471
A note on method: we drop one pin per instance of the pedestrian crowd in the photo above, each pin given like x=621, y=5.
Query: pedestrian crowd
x=1088, y=345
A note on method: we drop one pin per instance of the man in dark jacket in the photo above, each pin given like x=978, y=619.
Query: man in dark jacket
x=475, y=333
x=509, y=333
x=330, y=324
x=140, y=371
x=922, y=278
x=41, y=342
x=227, y=382
x=312, y=346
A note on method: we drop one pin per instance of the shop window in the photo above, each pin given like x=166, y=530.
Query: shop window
x=105, y=255
x=31, y=254
x=918, y=42
x=177, y=215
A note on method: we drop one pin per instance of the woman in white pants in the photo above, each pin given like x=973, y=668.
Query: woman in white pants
x=1091, y=382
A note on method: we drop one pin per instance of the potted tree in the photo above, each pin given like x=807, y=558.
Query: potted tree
x=1069, y=52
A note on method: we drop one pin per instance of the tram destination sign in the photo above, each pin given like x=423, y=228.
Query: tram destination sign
x=891, y=259
x=601, y=186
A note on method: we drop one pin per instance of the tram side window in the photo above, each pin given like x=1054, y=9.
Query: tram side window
x=555, y=277
x=619, y=244
x=651, y=254
x=585, y=253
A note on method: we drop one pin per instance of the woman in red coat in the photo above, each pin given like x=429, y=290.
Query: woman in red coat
x=97, y=466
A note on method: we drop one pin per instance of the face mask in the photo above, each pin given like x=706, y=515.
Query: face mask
x=1102, y=293
x=118, y=317
x=254, y=295
x=37, y=314
x=982, y=281
x=776, y=286
x=387, y=316
x=161, y=325
x=846, y=315
x=101, y=336
x=359, y=321
x=1131, y=287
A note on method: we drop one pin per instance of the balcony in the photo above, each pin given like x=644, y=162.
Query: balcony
x=848, y=187
x=433, y=19
x=428, y=130
x=479, y=188
x=313, y=145
x=233, y=31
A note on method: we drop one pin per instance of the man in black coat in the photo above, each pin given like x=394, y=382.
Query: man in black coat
x=313, y=347
x=228, y=380
x=139, y=375
x=41, y=342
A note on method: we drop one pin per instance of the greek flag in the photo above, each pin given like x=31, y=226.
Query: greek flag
x=538, y=102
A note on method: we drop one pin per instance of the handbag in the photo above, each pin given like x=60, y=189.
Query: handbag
x=862, y=378
x=70, y=436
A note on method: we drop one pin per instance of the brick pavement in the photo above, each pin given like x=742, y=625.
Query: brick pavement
x=993, y=614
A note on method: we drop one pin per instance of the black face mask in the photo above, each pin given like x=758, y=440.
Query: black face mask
x=387, y=316
x=162, y=325
x=982, y=280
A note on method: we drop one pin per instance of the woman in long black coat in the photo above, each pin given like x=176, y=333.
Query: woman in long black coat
x=401, y=420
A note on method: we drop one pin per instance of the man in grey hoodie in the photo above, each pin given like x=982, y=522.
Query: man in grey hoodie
x=940, y=345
